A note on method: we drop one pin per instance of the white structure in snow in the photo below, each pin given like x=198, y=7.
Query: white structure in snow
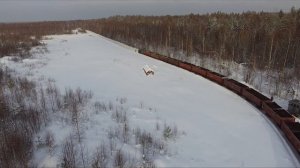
x=148, y=70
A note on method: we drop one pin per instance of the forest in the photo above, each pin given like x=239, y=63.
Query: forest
x=262, y=40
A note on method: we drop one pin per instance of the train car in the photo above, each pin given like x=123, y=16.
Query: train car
x=191, y=65
x=162, y=58
x=234, y=85
x=185, y=65
x=254, y=97
x=156, y=56
x=278, y=114
x=268, y=107
x=281, y=116
x=213, y=76
x=172, y=61
x=147, y=53
x=199, y=71
x=292, y=132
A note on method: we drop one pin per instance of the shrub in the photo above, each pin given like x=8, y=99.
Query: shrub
x=120, y=116
x=170, y=132
x=100, y=157
x=69, y=154
x=100, y=106
x=49, y=140
x=119, y=159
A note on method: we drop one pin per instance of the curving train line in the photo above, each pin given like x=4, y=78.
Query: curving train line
x=284, y=121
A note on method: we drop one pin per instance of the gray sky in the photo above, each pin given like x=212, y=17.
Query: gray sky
x=39, y=10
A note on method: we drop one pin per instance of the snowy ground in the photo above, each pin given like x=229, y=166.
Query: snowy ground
x=215, y=127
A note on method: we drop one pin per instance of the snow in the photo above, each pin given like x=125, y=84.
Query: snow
x=217, y=127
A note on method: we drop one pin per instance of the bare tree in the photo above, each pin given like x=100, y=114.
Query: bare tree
x=69, y=155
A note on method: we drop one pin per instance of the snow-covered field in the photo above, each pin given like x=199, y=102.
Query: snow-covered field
x=215, y=127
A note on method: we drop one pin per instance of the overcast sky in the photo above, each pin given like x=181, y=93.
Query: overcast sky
x=39, y=10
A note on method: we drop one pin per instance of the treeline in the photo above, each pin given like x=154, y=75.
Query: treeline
x=19, y=38
x=261, y=40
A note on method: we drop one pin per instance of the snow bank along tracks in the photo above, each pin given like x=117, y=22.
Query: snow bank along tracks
x=284, y=121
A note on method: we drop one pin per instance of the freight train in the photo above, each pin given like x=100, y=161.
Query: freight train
x=280, y=117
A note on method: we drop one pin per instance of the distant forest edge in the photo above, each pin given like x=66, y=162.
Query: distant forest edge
x=263, y=42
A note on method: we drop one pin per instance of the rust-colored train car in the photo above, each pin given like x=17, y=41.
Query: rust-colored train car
x=281, y=116
x=163, y=58
x=156, y=56
x=199, y=71
x=234, y=85
x=276, y=113
x=268, y=107
x=254, y=97
x=147, y=53
x=172, y=61
x=213, y=76
x=185, y=65
x=292, y=132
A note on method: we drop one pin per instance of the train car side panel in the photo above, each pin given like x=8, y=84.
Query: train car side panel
x=255, y=97
x=199, y=71
x=234, y=86
x=172, y=61
x=213, y=76
x=281, y=116
x=185, y=66
x=269, y=107
x=292, y=132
